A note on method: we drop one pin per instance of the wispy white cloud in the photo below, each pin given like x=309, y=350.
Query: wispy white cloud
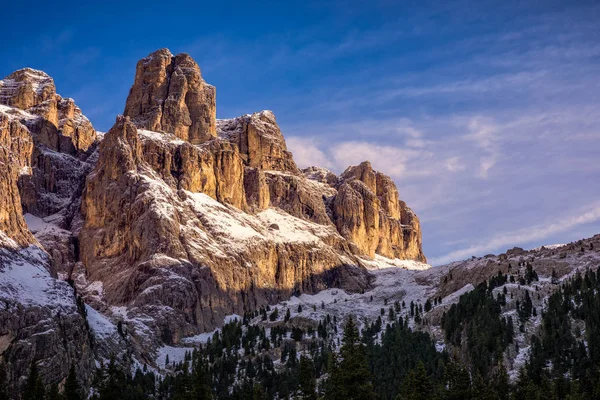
x=307, y=152
x=523, y=235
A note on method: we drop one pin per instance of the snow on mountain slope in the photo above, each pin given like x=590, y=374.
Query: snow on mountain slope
x=25, y=278
x=402, y=282
x=39, y=318
x=39, y=227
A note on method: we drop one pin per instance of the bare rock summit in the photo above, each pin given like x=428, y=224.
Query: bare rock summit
x=169, y=95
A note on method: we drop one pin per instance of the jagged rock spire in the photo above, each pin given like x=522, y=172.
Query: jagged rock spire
x=169, y=95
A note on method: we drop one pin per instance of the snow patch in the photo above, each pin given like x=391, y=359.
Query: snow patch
x=453, y=297
x=101, y=325
x=176, y=355
x=285, y=228
x=25, y=278
x=160, y=136
x=38, y=226
x=381, y=262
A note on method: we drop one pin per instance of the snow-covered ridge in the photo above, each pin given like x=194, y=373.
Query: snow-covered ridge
x=549, y=247
x=380, y=262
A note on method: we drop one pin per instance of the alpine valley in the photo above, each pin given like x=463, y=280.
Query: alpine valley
x=178, y=256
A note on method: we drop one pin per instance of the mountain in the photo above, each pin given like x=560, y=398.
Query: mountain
x=177, y=252
x=171, y=220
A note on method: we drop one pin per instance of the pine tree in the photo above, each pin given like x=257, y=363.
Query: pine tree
x=3, y=383
x=114, y=382
x=482, y=390
x=428, y=305
x=554, y=278
x=34, y=390
x=200, y=380
x=417, y=385
x=350, y=379
x=287, y=316
x=72, y=390
x=457, y=382
x=53, y=393
x=307, y=380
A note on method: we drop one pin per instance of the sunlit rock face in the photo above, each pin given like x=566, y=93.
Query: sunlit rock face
x=169, y=95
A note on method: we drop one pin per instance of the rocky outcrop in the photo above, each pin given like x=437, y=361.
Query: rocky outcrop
x=367, y=211
x=53, y=171
x=61, y=126
x=16, y=147
x=169, y=95
x=205, y=226
x=28, y=89
x=300, y=197
x=260, y=141
x=321, y=174
x=40, y=322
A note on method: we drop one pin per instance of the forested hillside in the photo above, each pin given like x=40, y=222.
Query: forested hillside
x=275, y=353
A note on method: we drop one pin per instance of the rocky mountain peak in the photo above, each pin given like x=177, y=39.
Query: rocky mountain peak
x=45, y=140
x=260, y=141
x=26, y=88
x=321, y=174
x=369, y=212
x=169, y=95
x=363, y=172
x=62, y=125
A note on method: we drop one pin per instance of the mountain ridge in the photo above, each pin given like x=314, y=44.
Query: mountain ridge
x=172, y=219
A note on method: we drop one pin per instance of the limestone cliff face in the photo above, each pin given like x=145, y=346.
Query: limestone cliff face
x=63, y=138
x=161, y=231
x=43, y=139
x=368, y=212
x=169, y=95
x=260, y=141
x=16, y=147
x=207, y=224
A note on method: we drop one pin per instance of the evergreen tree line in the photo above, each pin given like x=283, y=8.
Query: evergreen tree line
x=386, y=360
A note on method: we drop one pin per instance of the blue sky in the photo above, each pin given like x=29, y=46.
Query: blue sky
x=485, y=113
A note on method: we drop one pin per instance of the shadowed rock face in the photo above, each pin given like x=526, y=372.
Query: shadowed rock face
x=44, y=144
x=169, y=95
